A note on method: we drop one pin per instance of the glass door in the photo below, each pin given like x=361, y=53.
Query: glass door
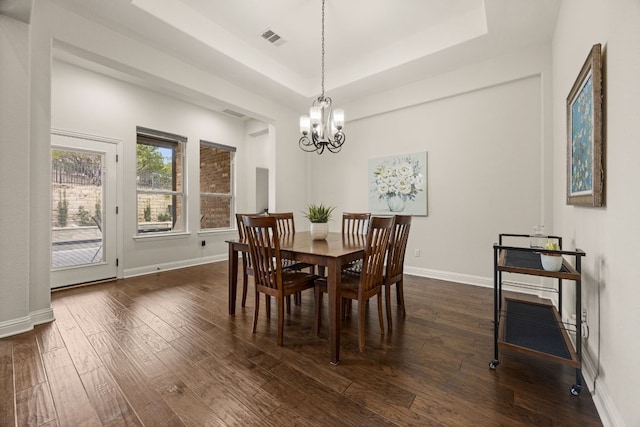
x=83, y=222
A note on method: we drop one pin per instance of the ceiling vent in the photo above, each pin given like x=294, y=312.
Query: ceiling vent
x=233, y=113
x=273, y=38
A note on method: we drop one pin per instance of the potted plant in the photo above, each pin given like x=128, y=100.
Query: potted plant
x=319, y=216
x=551, y=261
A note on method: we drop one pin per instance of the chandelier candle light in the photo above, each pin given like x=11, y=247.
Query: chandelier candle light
x=324, y=124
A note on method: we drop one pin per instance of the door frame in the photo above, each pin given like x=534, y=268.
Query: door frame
x=115, y=234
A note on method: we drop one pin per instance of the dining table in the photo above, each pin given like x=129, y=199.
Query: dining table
x=330, y=254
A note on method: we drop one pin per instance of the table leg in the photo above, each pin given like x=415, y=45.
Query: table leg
x=233, y=278
x=333, y=289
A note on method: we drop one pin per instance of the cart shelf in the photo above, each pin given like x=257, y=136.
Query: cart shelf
x=536, y=329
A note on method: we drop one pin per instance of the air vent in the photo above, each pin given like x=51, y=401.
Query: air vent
x=233, y=113
x=273, y=38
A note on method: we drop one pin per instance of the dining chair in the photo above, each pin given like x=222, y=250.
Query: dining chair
x=246, y=260
x=269, y=276
x=287, y=226
x=354, y=224
x=394, y=271
x=370, y=282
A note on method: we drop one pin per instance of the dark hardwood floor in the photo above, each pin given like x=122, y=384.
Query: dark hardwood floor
x=161, y=350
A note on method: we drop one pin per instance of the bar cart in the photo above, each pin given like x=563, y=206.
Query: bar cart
x=535, y=328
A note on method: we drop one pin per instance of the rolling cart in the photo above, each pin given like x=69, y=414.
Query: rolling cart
x=535, y=328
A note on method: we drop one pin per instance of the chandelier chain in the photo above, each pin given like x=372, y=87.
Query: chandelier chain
x=322, y=49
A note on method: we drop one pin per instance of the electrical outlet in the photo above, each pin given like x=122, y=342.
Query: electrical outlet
x=584, y=315
x=203, y=243
x=416, y=253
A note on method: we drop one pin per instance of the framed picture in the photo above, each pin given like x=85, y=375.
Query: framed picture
x=585, y=166
x=398, y=184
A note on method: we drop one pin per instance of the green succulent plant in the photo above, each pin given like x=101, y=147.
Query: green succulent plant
x=318, y=213
x=552, y=246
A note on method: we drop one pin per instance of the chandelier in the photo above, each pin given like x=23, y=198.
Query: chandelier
x=324, y=124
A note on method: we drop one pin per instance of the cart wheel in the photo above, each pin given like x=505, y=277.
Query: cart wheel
x=493, y=364
x=576, y=390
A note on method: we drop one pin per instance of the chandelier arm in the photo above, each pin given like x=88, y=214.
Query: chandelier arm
x=307, y=145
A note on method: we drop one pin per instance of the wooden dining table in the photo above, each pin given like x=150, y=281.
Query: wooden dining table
x=332, y=254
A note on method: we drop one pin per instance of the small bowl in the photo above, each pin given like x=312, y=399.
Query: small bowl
x=551, y=262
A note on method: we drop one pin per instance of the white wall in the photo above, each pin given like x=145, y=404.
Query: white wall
x=484, y=132
x=608, y=235
x=15, y=308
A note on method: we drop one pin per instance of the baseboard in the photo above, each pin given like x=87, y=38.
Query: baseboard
x=607, y=410
x=26, y=323
x=155, y=268
x=467, y=279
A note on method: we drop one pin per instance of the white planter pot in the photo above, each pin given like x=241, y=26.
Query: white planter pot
x=319, y=230
x=551, y=262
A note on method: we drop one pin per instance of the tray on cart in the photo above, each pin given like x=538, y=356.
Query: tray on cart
x=537, y=329
x=515, y=260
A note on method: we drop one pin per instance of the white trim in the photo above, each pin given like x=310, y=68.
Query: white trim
x=149, y=269
x=601, y=397
x=466, y=279
x=25, y=324
x=79, y=135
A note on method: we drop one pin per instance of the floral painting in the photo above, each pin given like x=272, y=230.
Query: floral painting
x=582, y=141
x=585, y=138
x=398, y=184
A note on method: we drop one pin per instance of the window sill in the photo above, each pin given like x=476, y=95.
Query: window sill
x=161, y=236
x=220, y=231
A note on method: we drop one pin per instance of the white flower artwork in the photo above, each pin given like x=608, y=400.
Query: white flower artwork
x=398, y=184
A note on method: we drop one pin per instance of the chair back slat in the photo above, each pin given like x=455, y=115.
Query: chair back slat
x=355, y=223
x=286, y=224
x=380, y=229
x=264, y=247
x=398, y=246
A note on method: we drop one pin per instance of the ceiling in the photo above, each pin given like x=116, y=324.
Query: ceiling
x=370, y=46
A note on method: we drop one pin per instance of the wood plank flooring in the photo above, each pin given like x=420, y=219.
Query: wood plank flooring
x=161, y=350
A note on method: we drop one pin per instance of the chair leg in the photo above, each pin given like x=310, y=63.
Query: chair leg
x=280, y=321
x=387, y=294
x=361, y=325
x=245, y=277
x=400, y=297
x=346, y=308
x=267, y=298
x=318, y=301
x=380, y=317
x=255, y=312
x=288, y=303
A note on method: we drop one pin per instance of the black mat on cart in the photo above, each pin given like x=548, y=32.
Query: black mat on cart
x=534, y=326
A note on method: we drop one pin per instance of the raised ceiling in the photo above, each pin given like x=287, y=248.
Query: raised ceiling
x=371, y=45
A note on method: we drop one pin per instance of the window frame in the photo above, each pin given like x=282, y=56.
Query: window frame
x=152, y=137
x=231, y=196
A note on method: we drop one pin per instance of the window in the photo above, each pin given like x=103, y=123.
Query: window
x=216, y=185
x=160, y=182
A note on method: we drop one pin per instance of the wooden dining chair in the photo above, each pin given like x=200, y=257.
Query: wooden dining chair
x=287, y=226
x=269, y=276
x=355, y=223
x=394, y=271
x=246, y=260
x=370, y=282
